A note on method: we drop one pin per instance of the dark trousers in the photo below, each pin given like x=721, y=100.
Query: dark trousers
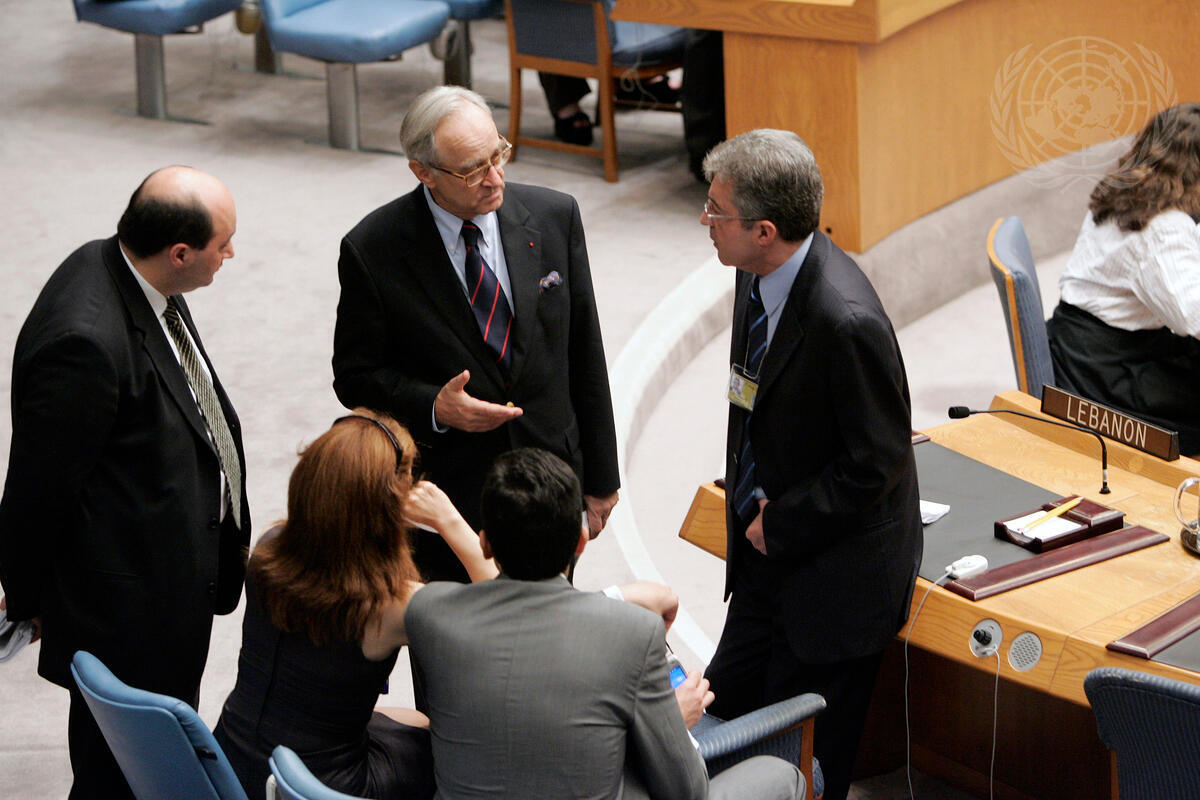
x=754, y=666
x=562, y=90
x=434, y=559
x=95, y=770
x=1153, y=374
x=703, y=96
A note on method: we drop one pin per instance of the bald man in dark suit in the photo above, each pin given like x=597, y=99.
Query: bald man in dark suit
x=124, y=522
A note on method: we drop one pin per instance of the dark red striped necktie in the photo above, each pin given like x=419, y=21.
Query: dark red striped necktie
x=488, y=301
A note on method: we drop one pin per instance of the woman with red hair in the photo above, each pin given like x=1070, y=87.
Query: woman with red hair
x=326, y=591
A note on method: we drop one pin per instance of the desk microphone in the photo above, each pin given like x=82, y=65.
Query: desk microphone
x=961, y=412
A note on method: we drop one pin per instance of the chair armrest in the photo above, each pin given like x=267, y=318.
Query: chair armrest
x=784, y=729
x=293, y=779
x=728, y=737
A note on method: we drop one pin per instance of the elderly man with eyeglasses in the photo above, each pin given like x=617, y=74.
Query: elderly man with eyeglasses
x=467, y=312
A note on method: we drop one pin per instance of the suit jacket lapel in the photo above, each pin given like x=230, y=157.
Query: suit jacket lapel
x=422, y=250
x=789, y=331
x=154, y=340
x=523, y=255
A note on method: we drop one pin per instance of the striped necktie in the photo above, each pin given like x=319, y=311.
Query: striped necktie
x=492, y=311
x=210, y=409
x=744, y=502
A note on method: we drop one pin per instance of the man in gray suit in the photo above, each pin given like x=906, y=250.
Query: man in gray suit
x=537, y=690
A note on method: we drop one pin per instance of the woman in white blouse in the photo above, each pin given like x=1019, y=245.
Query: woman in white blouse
x=1126, y=332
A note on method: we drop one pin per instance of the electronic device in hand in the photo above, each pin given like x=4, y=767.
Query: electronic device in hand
x=678, y=675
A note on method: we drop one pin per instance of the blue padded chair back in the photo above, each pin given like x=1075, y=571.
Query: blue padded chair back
x=293, y=781
x=1021, y=300
x=565, y=30
x=555, y=29
x=161, y=744
x=1153, y=726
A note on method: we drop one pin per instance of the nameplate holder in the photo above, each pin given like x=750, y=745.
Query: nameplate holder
x=1108, y=422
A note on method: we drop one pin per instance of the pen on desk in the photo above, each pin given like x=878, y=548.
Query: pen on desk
x=1055, y=512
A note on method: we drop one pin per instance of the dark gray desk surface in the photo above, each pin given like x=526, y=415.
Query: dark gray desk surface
x=978, y=495
x=1185, y=653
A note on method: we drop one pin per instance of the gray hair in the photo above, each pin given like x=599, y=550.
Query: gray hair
x=426, y=113
x=774, y=177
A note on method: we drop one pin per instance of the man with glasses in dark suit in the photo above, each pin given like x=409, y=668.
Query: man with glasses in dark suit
x=467, y=312
x=824, y=528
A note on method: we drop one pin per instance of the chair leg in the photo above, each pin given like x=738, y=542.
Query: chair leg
x=266, y=60
x=456, y=71
x=151, y=77
x=341, y=82
x=608, y=131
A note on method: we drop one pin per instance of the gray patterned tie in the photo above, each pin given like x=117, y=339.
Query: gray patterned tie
x=210, y=409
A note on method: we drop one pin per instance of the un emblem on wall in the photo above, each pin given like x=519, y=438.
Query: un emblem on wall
x=1073, y=94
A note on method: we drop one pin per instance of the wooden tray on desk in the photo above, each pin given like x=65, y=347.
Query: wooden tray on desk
x=1092, y=518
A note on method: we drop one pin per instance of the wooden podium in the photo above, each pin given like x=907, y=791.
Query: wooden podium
x=911, y=104
x=1047, y=745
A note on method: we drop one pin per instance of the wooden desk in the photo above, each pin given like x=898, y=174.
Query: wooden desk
x=898, y=98
x=1048, y=745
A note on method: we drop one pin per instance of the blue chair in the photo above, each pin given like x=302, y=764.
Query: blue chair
x=455, y=48
x=149, y=21
x=161, y=744
x=1021, y=300
x=576, y=37
x=1152, y=727
x=343, y=33
x=293, y=781
x=783, y=729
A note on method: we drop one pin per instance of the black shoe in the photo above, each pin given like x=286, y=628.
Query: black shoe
x=646, y=92
x=575, y=129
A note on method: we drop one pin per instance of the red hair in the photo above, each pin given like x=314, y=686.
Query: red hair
x=343, y=551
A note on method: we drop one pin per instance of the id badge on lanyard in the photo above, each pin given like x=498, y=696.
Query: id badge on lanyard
x=742, y=388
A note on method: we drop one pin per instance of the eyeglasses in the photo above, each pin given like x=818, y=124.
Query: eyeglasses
x=707, y=213
x=476, y=176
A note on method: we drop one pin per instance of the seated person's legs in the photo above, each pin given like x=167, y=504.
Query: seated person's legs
x=563, y=94
x=759, y=778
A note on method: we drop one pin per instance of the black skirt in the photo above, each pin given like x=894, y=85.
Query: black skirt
x=1153, y=374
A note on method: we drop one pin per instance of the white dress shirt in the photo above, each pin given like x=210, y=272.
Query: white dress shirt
x=450, y=228
x=1138, y=280
x=773, y=289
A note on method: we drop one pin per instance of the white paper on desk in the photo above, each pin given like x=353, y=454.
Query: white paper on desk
x=931, y=512
x=1050, y=529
